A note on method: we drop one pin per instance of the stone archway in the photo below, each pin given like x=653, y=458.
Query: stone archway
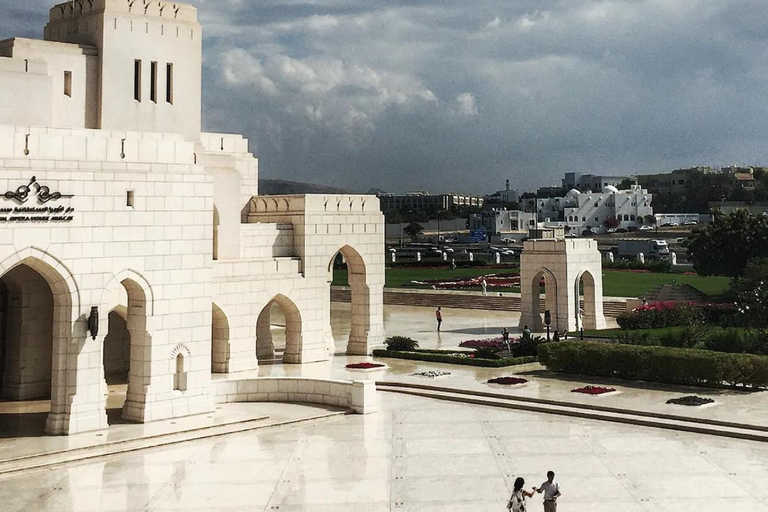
x=129, y=292
x=265, y=347
x=546, y=278
x=360, y=300
x=220, y=350
x=564, y=264
x=69, y=346
x=589, y=311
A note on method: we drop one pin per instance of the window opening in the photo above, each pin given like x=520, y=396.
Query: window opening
x=68, y=83
x=153, y=82
x=130, y=199
x=137, y=80
x=169, y=83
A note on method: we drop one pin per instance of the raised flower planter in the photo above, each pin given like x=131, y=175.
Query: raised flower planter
x=508, y=381
x=432, y=374
x=364, y=366
x=453, y=357
x=593, y=390
x=691, y=401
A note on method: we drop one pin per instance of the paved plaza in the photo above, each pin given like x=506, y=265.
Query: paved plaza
x=414, y=455
x=419, y=454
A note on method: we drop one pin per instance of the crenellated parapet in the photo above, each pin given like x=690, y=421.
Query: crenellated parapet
x=167, y=10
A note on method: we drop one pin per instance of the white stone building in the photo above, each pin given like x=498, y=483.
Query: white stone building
x=585, y=210
x=502, y=221
x=116, y=208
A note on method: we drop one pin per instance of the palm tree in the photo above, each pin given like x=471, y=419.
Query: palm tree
x=413, y=230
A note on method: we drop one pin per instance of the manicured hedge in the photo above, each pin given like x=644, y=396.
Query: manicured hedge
x=660, y=267
x=435, y=356
x=655, y=364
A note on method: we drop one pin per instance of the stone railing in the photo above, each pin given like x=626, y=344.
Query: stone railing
x=359, y=396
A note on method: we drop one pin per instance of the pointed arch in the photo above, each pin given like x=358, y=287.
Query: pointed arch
x=220, y=349
x=129, y=289
x=65, y=305
x=360, y=292
x=586, y=311
x=550, y=297
x=265, y=348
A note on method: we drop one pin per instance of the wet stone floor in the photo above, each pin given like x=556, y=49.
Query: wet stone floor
x=419, y=454
x=416, y=454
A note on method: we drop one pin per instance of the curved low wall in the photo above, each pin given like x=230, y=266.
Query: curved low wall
x=359, y=396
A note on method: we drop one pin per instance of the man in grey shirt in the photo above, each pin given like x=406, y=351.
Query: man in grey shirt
x=551, y=490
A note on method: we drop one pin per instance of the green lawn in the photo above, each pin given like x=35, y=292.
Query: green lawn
x=615, y=283
x=630, y=284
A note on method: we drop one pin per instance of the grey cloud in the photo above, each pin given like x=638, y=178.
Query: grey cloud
x=450, y=95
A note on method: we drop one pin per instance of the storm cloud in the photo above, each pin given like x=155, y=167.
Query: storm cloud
x=455, y=95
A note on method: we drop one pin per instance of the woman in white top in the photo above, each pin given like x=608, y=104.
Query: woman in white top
x=517, y=500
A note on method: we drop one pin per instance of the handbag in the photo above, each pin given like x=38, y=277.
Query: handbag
x=516, y=503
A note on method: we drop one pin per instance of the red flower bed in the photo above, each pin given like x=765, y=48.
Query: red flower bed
x=508, y=381
x=491, y=280
x=364, y=366
x=593, y=390
x=487, y=343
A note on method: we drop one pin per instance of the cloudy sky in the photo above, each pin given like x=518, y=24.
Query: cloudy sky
x=460, y=95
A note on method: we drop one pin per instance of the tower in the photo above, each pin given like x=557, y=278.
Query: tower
x=150, y=61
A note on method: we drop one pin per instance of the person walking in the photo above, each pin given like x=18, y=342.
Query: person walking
x=551, y=490
x=517, y=500
x=439, y=318
x=505, y=339
x=484, y=284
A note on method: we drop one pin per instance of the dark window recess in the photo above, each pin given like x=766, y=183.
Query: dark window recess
x=169, y=83
x=153, y=82
x=137, y=80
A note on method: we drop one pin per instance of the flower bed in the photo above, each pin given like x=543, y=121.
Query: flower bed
x=364, y=366
x=593, y=390
x=672, y=314
x=492, y=281
x=486, y=343
x=451, y=357
x=432, y=374
x=508, y=381
x=691, y=401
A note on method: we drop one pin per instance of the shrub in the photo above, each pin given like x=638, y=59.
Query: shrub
x=655, y=364
x=401, y=343
x=650, y=266
x=662, y=314
x=527, y=346
x=486, y=353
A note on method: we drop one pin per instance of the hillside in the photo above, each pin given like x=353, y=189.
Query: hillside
x=284, y=187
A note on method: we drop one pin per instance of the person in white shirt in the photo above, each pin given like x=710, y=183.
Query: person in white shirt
x=551, y=490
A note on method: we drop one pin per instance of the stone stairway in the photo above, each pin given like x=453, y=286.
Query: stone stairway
x=595, y=412
x=425, y=298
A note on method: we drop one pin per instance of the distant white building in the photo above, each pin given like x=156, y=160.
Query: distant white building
x=502, y=221
x=586, y=210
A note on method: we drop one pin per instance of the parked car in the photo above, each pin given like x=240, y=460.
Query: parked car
x=645, y=228
x=691, y=223
x=632, y=229
x=621, y=230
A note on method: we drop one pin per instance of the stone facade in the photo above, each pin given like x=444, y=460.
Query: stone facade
x=121, y=204
x=564, y=266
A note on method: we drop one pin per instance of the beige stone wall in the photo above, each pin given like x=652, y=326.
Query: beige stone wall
x=161, y=246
